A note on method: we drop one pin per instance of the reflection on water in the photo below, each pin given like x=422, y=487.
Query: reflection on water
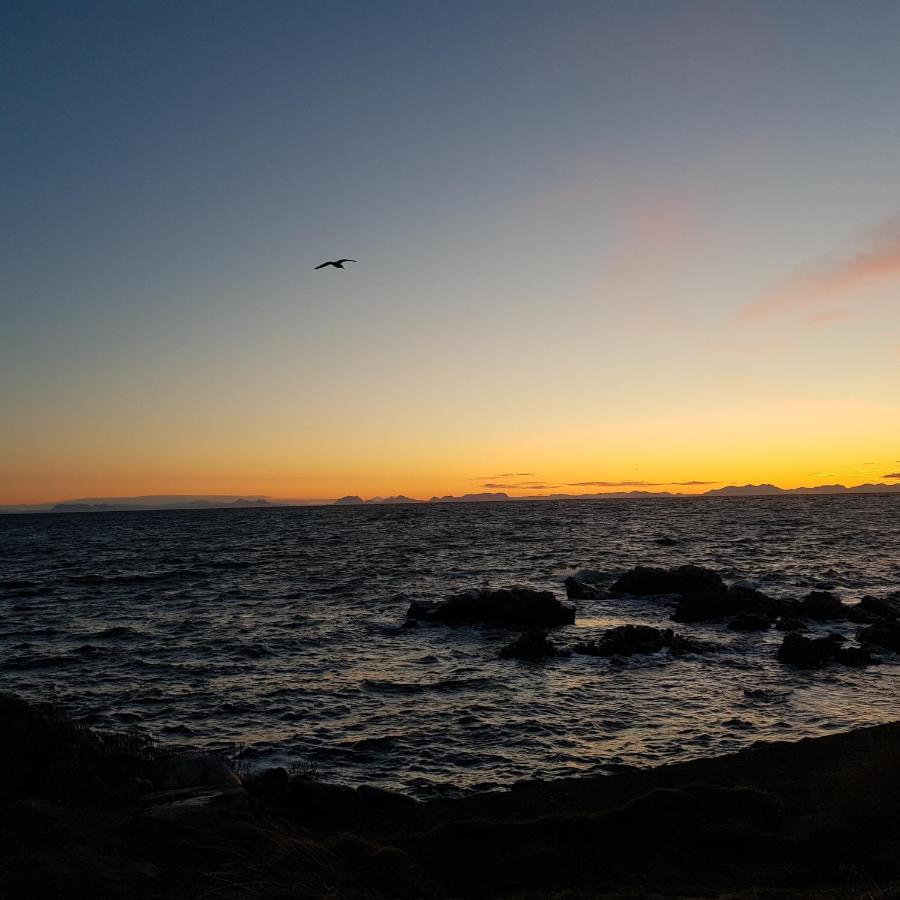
x=279, y=628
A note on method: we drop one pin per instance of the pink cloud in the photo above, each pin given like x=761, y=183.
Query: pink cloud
x=830, y=283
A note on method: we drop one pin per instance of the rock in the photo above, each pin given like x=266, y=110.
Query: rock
x=592, y=576
x=884, y=634
x=718, y=604
x=665, y=541
x=376, y=798
x=877, y=607
x=823, y=605
x=645, y=581
x=506, y=606
x=196, y=807
x=790, y=623
x=275, y=777
x=810, y=653
x=746, y=585
x=582, y=590
x=317, y=802
x=856, y=657
x=749, y=622
x=531, y=645
x=190, y=770
x=627, y=640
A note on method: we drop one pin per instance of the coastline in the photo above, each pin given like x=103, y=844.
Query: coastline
x=86, y=815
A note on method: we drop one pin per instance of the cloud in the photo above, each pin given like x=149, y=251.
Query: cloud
x=505, y=475
x=520, y=485
x=638, y=483
x=878, y=261
x=891, y=475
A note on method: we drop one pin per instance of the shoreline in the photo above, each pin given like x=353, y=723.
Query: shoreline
x=89, y=815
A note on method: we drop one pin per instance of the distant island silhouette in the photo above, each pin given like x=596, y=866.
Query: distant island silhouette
x=251, y=501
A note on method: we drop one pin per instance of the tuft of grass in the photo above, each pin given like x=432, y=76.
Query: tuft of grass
x=304, y=769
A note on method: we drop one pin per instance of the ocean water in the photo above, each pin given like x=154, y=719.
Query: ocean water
x=279, y=629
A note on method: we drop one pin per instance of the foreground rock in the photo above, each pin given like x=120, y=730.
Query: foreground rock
x=627, y=640
x=737, y=600
x=810, y=819
x=872, y=609
x=531, y=645
x=823, y=606
x=506, y=606
x=811, y=653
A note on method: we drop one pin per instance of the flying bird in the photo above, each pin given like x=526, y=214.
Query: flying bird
x=337, y=263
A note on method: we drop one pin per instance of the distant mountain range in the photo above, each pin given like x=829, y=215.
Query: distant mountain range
x=746, y=490
x=160, y=502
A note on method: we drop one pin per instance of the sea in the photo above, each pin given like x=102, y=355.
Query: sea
x=276, y=634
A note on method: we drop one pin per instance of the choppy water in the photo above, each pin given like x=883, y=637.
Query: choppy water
x=279, y=628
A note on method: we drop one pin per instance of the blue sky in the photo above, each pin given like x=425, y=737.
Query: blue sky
x=560, y=211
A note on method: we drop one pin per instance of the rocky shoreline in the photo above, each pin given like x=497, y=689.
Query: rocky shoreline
x=93, y=814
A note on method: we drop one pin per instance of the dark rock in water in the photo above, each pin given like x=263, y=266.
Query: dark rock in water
x=823, y=605
x=884, y=634
x=591, y=576
x=749, y=622
x=645, y=581
x=665, y=541
x=855, y=657
x=870, y=609
x=531, y=645
x=810, y=653
x=790, y=623
x=582, y=590
x=702, y=606
x=277, y=776
x=626, y=640
x=190, y=770
x=506, y=606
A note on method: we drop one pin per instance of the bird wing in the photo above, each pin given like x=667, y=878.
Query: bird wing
x=325, y=264
x=347, y=260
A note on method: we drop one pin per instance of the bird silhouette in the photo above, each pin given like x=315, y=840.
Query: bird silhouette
x=337, y=263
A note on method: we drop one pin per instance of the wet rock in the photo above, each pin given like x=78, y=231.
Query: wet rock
x=665, y=541
x=870, y=609
x=576, y=589
x=810, y=653
x=531, y=645
x=190, y=770
x=884, y=634
x=790, y=623
x=855, y=657
x=704, y=606
x=627, y=640
x=749, y=622
x=506, y=606
x=822, y=605
x=646, y=581
x=276, y=777
x=591, y=576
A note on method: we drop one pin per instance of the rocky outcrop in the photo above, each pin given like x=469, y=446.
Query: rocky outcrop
x=884, y=634
x=192, y=770
x=749, y=622
x=505, y=606
x=872, y=609
x=627, y=640
x=811, y=653
x=823, y=606
x=531, y=645
x=646, y=581
x=576, y=589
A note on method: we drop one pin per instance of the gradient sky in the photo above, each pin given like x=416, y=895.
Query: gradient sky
x=615, y=242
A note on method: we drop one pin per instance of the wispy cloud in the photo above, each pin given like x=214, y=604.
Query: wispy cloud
x=520, y=485
x=891, y=475
x=505, y=475
x=639, y=483
x=878, y=261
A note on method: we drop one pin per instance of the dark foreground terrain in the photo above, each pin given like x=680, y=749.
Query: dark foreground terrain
x=90, y=814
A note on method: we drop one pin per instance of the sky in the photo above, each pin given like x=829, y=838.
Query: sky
x=597, y=242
